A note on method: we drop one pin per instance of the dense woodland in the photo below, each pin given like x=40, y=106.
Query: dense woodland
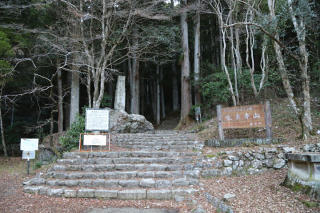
x=58, y=57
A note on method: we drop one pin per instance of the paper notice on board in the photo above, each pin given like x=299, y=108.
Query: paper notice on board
x=95, y=140
x=29, y=144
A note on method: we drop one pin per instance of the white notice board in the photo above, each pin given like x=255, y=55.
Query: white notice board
x=29, y=144
x=28, y=155
x=95, y=140
x=97, y=120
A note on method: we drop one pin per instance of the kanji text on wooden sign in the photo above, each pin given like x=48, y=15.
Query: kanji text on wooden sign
x=251, y=116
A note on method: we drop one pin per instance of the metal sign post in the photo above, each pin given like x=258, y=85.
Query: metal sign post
x=28, y=147
x=28, y=166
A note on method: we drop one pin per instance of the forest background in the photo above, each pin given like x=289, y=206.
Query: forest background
x=58, y=57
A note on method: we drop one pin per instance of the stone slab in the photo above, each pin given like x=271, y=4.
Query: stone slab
x=307, y=157
x=132, y=194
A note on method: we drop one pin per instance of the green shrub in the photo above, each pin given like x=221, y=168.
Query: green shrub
x=71, y=139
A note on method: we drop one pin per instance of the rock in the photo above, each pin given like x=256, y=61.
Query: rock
x=227, y=171
x=252, y=171
x=309, y=148
x=136, y=194
x=233, y=158
x=288, y=149
x=259, y=156
x=46, y=155
x=269, y=163
x=229, y=196
x=218, y=164
x=52, y=140
x=122, y=122
x=270, y=150
x=159, y=194
x=241, y=163
x=147, y=183
x=257, y=164
x=247, y=155
x=235, y=165
x=211, y=173
x=107, y=194
x=279, y=163
x=281, y=155
x=227, y=163
x=70, y=193
x=86, y=193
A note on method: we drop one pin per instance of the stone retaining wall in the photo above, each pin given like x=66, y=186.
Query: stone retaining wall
x=249, y=162
x=242, y=142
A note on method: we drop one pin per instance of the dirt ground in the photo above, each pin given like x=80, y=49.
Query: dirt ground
x=255, y=193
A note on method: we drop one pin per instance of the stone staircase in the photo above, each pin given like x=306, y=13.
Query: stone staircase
x=158, y=165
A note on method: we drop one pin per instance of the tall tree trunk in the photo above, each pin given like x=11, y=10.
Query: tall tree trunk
x=89, y=87
x=135, y=84
x=60, y=101
x=2, y=127
x=197, y=56
x=233, y=59
x=300, y=29
x=75, y=96
x=185, y=70
x=280, y=60
x=163, y=105
x=158, y=95
x=153, y=94
x=175, y=91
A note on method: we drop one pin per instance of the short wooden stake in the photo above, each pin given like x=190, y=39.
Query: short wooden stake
x=268, y=119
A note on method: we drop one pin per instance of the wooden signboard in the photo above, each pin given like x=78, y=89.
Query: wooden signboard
x=97, y=120
x=251, y=116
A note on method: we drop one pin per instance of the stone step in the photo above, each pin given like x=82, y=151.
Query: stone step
x=182, y=138
x=116, y=183
x=124, y=174
x=169, y=148
x=154, y=138
x=129, y=160
x=140, y=154
x=121, y=167
x=147, y=142
x=122, y=194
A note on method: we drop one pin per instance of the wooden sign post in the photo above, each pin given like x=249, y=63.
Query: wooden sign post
x=97, y=120
x=251, y=116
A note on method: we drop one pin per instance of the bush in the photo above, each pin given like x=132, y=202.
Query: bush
x=71, y=139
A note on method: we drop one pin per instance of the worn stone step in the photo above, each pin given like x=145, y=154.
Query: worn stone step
x=124, y=174
x=122, y=194
x=131, y=160
x=116, y=183
x=146, y=154
x=121, y=167
x=159, y=147
x=157, y=142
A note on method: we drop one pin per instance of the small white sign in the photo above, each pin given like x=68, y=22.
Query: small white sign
x=29, y=144
x=97, y=119
x=95, y=140
x=28, y=155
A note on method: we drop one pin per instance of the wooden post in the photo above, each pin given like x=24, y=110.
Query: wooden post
x=219, y=117
x=268, y=119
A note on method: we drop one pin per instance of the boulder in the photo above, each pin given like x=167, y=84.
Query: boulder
x=46, y=154
x=122, y=122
